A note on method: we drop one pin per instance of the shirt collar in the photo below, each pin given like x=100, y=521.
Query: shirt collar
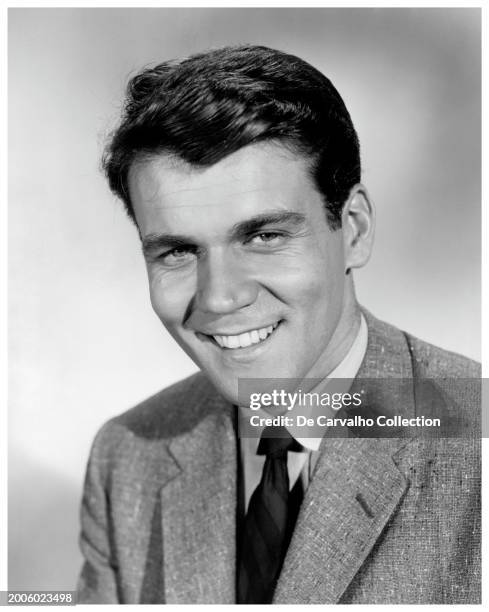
x=349, y=366
x=343, y=374
x=346, y=370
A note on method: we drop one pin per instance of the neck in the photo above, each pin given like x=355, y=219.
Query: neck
x=343, y=336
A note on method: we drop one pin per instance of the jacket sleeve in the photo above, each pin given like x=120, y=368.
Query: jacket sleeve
x=97, y=582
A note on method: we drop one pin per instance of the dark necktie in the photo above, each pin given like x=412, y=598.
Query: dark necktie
x=270, y=520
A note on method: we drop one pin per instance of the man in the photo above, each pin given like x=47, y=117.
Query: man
x=240, y=168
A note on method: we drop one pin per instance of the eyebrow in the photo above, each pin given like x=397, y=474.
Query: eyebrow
x=154, y=242
x=244, y=228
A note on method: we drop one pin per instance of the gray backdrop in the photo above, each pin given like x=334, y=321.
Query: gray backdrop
x=84, y=343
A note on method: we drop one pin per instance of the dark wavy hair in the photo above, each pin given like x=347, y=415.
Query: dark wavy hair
x=211, y=104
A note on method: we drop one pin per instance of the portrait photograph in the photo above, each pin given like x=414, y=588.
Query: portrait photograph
x=244, y=305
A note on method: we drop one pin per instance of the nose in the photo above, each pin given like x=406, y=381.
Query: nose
x=223, y=286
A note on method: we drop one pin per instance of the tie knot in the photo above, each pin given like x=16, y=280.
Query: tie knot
x=276, y=441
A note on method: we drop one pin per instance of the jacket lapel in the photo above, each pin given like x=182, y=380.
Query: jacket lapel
x=199, y=513
x=356, y=486
x=354, y=492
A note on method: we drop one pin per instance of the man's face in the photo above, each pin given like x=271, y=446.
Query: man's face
x=244, y=271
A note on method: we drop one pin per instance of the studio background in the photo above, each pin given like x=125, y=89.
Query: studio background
x=84, y=342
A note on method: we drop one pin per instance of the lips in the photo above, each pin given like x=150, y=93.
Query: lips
x=245, y=339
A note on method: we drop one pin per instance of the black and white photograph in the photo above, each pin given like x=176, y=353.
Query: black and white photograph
x=244, y=305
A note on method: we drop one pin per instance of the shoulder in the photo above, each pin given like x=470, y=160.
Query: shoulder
x=432, y=361
x=165, y=413
x=449, y=385
x=444, y=382
x=407, y=352
x=163, y=416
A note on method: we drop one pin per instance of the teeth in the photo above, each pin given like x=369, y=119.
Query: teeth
x=233, y=341
x=246, y=339
x=255, y=336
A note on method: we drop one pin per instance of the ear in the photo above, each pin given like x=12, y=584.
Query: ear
x=358, y=222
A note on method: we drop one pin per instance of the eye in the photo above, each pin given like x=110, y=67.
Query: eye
x=178, y=256
x=267, y=239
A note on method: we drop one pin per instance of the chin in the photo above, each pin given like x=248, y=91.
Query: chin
x=238, y=388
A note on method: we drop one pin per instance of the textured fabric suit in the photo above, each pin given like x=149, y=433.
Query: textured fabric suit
x=383, y=520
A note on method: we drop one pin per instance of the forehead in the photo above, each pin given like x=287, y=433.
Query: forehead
x=257, y=178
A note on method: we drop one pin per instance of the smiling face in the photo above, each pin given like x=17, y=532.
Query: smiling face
x=244, y=271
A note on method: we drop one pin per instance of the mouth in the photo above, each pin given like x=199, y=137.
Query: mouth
x=246, y=339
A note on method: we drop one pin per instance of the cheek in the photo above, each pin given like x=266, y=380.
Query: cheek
x=316, y=285
x=170, y=298
x=316, y=297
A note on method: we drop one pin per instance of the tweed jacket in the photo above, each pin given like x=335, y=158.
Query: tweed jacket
x=383, y=521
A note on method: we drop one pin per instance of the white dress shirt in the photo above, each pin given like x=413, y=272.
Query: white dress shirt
x=299, y=463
